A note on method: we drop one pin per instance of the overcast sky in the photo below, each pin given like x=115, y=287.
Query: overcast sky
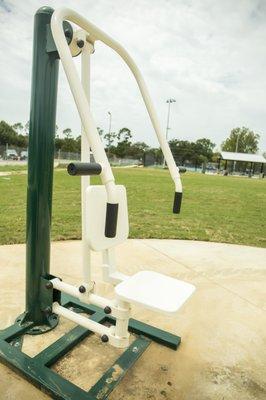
x=209, y=55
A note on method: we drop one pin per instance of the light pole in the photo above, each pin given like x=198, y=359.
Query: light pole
x=109, y=133
x=169, y=101
x=236, y=150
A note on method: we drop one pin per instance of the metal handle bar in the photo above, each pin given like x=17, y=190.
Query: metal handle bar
x=89, y=125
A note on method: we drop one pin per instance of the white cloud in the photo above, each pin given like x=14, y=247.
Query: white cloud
x=209, y=55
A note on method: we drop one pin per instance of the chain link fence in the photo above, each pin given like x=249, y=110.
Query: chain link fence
x=12, y=155
x=16, y=155
x=65, y=156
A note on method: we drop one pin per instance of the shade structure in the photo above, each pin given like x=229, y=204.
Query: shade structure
x=246, y=157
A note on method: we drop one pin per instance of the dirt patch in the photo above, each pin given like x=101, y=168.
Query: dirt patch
x=6, y=173
x=239, y=378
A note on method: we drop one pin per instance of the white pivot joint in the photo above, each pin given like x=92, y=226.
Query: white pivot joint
x=118, y=334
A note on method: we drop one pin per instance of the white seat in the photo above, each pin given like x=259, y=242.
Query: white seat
x=154, y=291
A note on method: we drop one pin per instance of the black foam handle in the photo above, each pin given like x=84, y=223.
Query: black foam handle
x=111, y=220
x=177, y=202
x=182, y=169
x=82, y=168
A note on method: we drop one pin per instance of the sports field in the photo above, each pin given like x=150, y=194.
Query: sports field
x=215, y=208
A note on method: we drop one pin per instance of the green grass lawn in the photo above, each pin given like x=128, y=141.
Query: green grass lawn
x=12, y=168
x=215, y=208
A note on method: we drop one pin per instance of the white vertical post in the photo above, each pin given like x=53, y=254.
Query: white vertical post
x=121, y=326
x=236, y=150
x=85, y=157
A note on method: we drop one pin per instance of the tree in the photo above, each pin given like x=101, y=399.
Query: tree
x=18, y=127
x=199, y=152
x=216, y=156
x=158, y=154
x=110, y=138
x=68, y=143
x=8, y=135
x=67, y=133
x=242, y=140
x=124, y=135
x=100, y=131
x=137, y=150
x=78, y=143
x=27, y=128
x=124, y=143
x=58, y=143
x=204, y=147
x=202, y=151
x=182, y=150
x=22, y=141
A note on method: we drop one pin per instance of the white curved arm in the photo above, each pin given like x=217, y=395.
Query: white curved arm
x=95, y=33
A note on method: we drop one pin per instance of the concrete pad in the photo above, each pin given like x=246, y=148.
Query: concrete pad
x=224, y=264
x=223, y=326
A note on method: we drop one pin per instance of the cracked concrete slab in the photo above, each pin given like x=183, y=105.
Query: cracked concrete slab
x=223, y=325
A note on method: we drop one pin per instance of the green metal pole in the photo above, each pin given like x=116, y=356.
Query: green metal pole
x=40, y=170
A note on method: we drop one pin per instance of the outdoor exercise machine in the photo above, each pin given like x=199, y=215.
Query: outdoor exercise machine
x=104, y=224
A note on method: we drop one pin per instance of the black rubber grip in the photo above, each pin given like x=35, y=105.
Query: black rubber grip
x=182, y=169
x=111, y=220
x=177, y=203
x=81, y=168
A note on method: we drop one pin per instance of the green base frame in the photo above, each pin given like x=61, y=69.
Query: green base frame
x=37, y=369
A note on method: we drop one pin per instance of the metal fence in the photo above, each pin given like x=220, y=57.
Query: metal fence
x=66, y=156
x=123, y=162
x=13, y=154
x=17, y=155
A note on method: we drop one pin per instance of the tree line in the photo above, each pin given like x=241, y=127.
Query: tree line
x=121, y=145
